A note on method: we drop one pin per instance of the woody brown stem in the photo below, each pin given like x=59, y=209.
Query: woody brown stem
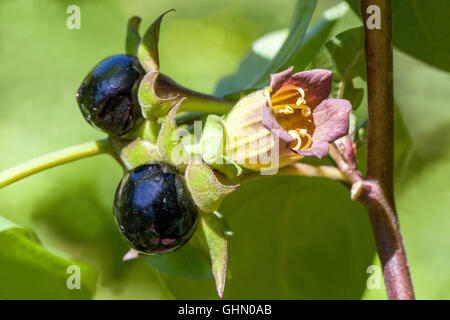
x=376, y=190
x=378, y=196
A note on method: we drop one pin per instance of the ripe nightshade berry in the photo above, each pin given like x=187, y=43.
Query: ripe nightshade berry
x=154, y=209
x=107, y=96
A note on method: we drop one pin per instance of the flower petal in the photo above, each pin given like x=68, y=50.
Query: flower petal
x=316, y=84
x=331, y=119
x=278, y=79
x=270, y=123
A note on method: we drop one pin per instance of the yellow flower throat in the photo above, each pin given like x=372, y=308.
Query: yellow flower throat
x=291, y=111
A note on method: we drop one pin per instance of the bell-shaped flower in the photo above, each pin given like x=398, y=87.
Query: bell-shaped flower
x=286, y=121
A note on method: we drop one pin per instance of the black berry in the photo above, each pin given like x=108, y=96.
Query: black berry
x=107, y=96
x=154, y=209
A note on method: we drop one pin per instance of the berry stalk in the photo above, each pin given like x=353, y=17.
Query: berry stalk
x=54, y=159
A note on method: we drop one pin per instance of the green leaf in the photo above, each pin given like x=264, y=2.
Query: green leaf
x=148, y=48
x=419, y=29
x=294, y=238
x=133, y=39
x=354, y=4
x=263, y=50
x=421, y=94
x=266, y=48
x=28, y=270
x=187, y=262
x=302, y=16
x=344, y=56
x=316, y=36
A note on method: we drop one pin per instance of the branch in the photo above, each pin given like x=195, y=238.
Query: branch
x=377, y=189
x=54, y=159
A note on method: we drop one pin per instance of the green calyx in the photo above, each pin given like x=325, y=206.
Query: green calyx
x=203, y=183
x=206, y=189
x=213, y=148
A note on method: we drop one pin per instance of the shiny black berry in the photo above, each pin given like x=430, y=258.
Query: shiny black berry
x=107, y=96
x=154, y=209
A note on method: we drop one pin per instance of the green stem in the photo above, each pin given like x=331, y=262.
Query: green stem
x=198, y=102
x=54, y=159
x=148, y=130
x=303, y=170
x=307, y=170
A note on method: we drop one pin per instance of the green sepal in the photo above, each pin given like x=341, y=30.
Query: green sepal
x=206, y=190
x=148, y=47
x=133, y=153
x=156, y=95
x=133, y=39
x=213, y=148
x=210, y=239
x=212, y=139
x=169, y=143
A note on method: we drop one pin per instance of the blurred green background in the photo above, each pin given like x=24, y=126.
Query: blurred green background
x=288, y=241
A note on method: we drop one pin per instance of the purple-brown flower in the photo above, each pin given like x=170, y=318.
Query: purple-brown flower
x=288, y=120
